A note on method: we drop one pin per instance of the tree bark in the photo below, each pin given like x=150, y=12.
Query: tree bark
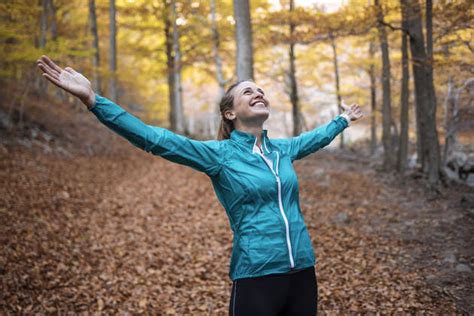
x=95, y=45
x=178, y=96
x=40, y=84
x=52, y=17
x=429, y=47
x=43, y=24
x=113, y=53
x=403, y=140
x=243, y=34
x=449, y=114
x=292, y=78
x=426, y=104
x=166, y=13
x=219, y=73
x=373, y=100
x=389, y=161
x=429, y=29
x=337, y=82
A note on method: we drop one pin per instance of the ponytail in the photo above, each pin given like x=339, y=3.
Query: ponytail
x=225, y=128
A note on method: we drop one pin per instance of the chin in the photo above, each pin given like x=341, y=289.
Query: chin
x=264, y=115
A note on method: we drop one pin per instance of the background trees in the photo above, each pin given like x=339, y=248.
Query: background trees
x=171, y=60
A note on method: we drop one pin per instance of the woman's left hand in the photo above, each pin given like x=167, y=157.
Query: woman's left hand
x=353, y=112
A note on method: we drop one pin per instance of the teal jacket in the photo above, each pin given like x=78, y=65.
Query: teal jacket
x=258, y=190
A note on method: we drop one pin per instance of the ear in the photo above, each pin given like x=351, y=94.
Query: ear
x=230, y=115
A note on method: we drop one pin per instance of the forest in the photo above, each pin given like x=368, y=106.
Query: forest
x=91, y=224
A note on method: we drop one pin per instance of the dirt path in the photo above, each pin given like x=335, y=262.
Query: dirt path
x=136, y=233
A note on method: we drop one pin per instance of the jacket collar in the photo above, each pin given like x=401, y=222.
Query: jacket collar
x=249, y=140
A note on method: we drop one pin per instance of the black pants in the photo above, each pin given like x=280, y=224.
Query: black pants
x=293, y=294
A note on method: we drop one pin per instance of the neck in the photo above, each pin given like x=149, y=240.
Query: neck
x=255, y=130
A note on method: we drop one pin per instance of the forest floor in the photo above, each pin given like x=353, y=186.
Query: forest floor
x=124, y=231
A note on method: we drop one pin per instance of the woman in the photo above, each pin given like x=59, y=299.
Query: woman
x=272, y=262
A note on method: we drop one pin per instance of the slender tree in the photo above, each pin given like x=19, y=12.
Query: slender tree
x=43, y=28
x=429, y=47
x=373, y=98
x=450, y=111
x=52, y=18
x=403, y=140
x=337, y=80
x=166, y=16
x=389, y=161
x=218, y=63
x=95, y=45
x=43, y=23
x=243, y=34
x=113, y=52
x=292, y=77
x=178, y=94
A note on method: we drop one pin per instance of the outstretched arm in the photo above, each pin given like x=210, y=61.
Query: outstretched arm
x=204, y=156
x=311, y=141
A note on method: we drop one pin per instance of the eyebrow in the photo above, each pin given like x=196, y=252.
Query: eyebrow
x=249, y=88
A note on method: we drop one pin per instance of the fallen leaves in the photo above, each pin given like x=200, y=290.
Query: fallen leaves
x=137, y=234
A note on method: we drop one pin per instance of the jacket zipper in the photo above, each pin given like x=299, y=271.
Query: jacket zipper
x=280, y=205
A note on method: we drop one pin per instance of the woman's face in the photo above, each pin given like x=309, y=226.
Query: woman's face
x=250, y=105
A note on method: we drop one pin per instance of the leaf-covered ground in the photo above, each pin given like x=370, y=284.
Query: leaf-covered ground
x=134, y=233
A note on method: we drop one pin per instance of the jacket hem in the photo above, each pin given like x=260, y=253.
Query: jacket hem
x=273, y=271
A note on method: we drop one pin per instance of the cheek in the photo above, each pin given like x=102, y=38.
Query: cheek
x=243, y=104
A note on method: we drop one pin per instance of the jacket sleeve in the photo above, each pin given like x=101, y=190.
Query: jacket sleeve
x=203, y=156
x=311, y=141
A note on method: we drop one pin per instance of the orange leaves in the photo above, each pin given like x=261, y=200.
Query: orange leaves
x=128, y=239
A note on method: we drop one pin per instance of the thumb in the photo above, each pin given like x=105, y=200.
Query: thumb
x=344, y=106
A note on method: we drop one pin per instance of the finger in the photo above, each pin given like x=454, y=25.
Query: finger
x=51, y=64
x=70, y=70
x=53, y=80
x=48, y=70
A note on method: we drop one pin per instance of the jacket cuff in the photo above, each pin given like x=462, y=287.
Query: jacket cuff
x=344, y=115
x=97, y=99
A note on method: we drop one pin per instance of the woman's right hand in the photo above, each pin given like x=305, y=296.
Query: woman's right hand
x=68, y=79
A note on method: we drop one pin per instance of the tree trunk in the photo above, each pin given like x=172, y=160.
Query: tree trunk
x=219, y=73
x=426, y=104
x=178, y=96
x=403, y=140
x=52, y=17
x=243, y=34
x=338, y=87
x=169, y=63
x=449, y=114
x=43, y=24
x=292, y=77
x=373, y=100
x=113, y=53
x=389, y=161
x=95, y=45
x=429, y=29
x=429, y=48
x=41, y=84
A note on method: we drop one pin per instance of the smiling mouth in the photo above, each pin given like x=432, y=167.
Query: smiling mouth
x=255, y=103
